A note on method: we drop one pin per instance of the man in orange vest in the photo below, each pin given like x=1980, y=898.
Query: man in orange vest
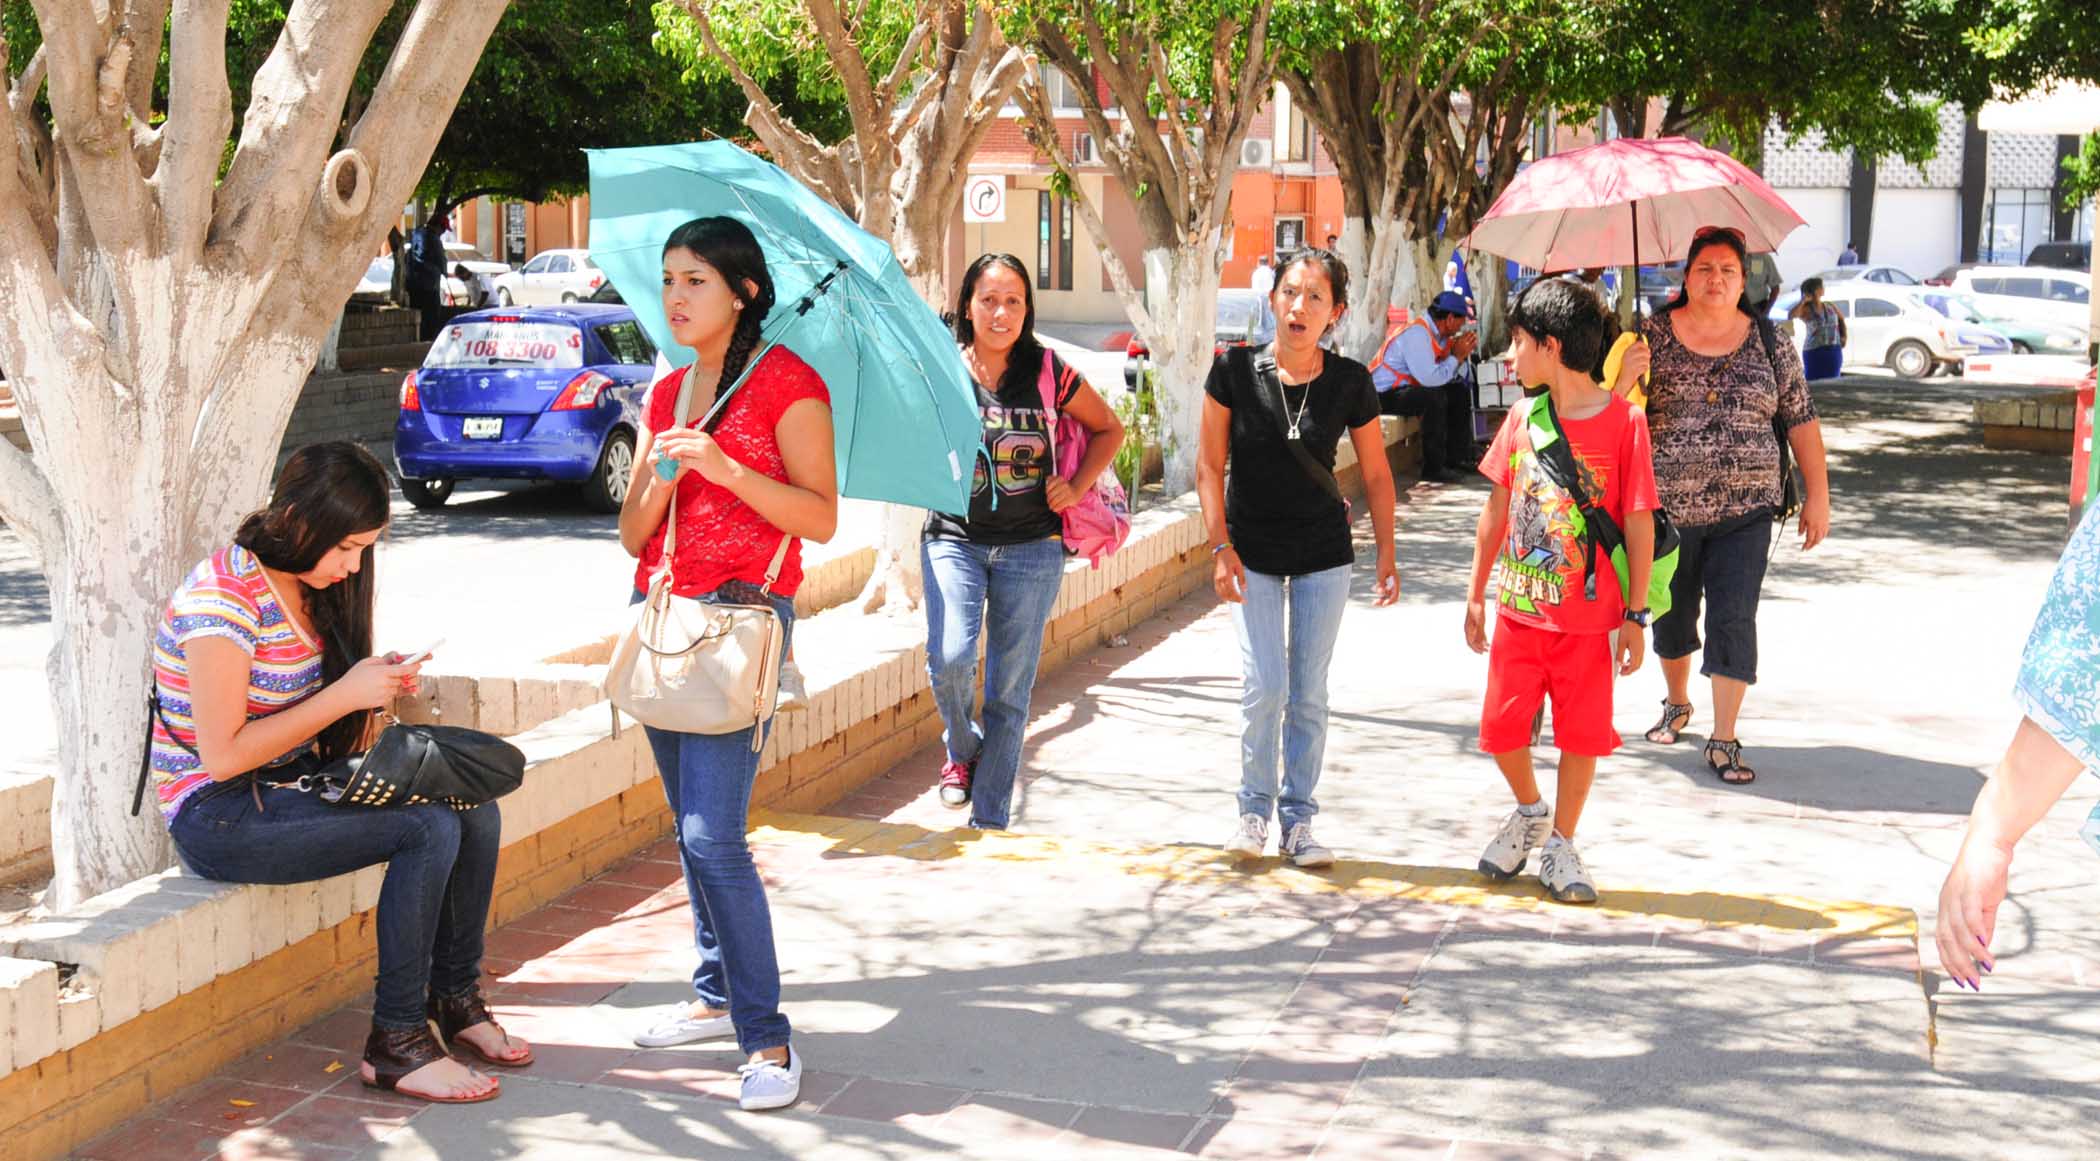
x=1423, y=370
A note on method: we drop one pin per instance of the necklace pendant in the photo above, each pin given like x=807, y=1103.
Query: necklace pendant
x=1294, y=431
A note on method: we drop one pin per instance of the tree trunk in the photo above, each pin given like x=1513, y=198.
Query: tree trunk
x=1363, y=329
x=1183, y=285
x=1490, y=276
x=1421, y=276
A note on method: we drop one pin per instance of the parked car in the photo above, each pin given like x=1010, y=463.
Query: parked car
x=2036, y=293
x=2026, y=337
x=486, y=270
x=533, y=394
x=2062, y=256
x=378, y=283
x=1244, y=320
x=551, y=276
x=1887, y=326
x=1864, y=272
x=1946, y=276
x=606, y=292
x=1970, y=328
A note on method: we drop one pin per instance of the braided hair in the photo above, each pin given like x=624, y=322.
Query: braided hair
x=729, y=246
x=327, y=493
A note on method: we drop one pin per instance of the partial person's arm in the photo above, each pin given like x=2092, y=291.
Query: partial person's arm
x=230, y=745
x=1807, y=441
x=1369, y=442
x=1106, y=430
x=1213, y=440
x=1420, y=359
x=2034, y=773
x=1487, y=538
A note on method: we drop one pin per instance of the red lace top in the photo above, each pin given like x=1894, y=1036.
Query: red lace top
x=721, y=538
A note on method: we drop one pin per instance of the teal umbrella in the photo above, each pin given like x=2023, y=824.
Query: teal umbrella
x=903, y=410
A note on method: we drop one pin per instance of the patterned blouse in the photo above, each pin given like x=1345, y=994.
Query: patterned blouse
x=1823, y=330
x=2059, y=684
x=1711, y=421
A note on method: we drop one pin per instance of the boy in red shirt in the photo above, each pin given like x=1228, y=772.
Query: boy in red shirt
x=1562, y=627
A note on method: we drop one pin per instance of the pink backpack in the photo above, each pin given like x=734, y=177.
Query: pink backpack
x=1100, y=522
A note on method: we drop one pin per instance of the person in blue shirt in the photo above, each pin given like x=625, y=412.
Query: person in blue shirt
x=1423, y=370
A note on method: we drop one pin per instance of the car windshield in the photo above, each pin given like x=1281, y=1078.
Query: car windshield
x=507, y=343
x=1958, y=307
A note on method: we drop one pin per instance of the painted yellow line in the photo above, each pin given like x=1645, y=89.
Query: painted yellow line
x=1449, y=886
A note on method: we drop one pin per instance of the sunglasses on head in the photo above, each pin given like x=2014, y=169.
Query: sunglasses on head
x=1705, y=232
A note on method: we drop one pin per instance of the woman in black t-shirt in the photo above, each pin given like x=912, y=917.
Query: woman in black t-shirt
x=995, y=574
x=1279, y=533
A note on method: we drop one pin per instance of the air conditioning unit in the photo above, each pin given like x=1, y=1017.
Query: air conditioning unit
x=1083, y=150
x=1257, y=153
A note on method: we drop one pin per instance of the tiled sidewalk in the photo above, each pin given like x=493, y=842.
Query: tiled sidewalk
x=1285, y=1095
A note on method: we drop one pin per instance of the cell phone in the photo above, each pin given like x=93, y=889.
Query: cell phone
x=424, y=655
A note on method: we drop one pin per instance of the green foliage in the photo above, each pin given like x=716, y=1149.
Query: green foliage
x=774, y=41
x=2082, y=173
x=1140, y=418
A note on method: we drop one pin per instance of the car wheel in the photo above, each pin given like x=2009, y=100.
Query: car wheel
x=503, y=296
x=567, y=297
x=2020, y=348
x=606, y=490
x=1910, y=359
x=427, y=494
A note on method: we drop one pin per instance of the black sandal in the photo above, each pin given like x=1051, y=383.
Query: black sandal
x=1664, y=732
x=1731, y=762
x=393, y=1053
x=455, y=1014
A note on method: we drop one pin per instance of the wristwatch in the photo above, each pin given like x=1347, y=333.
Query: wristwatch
x=1638, y=616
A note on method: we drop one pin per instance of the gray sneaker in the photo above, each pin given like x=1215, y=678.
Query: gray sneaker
x=1251, y=839
x=770, y=1086
x=794, y=696
x=1302, y=849
x=1511, y=847
x=1561, y=870
x=678, y=1026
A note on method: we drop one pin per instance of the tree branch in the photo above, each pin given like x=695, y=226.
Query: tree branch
x=291, y=121
x=28, y=505
x=798, y=152
x=25, y=170
x=1035, y=105
x=89, y=73
x=900, y=71
x=200, y=116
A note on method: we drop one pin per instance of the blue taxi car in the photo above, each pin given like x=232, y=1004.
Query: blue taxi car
x=532, y=393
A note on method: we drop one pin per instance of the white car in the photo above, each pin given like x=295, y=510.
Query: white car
x=485, y=270
x=2033, y=293
x=553, y=276
x=1887, y=326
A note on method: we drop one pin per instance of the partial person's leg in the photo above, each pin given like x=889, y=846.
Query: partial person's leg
x=1676, y=638
x=1023, y=584
x=1316, y=604
x=1735, y=575
x=716, y=774
x=710, y=989
x=1265, y=685
x=955, y=577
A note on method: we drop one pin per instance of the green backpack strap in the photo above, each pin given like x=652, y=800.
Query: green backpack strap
x=1554, y=456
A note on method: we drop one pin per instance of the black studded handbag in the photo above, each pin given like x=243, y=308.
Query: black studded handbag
x=410, y=764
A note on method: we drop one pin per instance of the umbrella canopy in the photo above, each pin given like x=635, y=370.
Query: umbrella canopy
x=903, y=411
x=1629, y=201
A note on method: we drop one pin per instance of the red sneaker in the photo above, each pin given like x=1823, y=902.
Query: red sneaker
x=955, y=784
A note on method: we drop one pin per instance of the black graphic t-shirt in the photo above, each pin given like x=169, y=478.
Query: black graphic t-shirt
x=1007, y=504
x=1281, y=520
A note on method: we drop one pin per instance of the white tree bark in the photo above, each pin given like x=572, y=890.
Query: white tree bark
x=158, y=324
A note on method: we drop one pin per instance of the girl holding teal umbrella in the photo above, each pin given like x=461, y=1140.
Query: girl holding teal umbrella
x=760, y=479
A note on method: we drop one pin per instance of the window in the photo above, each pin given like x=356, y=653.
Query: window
x=1044, y=212
x=1988, y=285
x=1877, y=308
x=626, y=342
x=2062, y=290
x=558, y=264
x=506, y=344
x=2015, y=221
x=1844, y=308
x=1881, y=276
x=1298, y=144
x=2024, y=288
x=1064, y=243
x=1064, y=95
x=537, y=265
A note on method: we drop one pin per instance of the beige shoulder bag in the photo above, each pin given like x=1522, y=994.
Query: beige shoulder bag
x=691, y=666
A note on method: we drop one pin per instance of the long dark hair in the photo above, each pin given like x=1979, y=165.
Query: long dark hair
x=1706, y=239
x=327, y=493
x=1025, y=361
x=728, y=245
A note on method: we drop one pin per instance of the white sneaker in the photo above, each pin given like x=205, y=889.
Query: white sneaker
x=679, y=1026
x=770, y=1086
x=1511, y=847
x=794, y=698
x=1251, y=839
x=1302, y=849
x=1561, y=870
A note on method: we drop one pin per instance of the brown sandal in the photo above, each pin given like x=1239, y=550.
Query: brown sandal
x=393, y=1053
x=455, y=1014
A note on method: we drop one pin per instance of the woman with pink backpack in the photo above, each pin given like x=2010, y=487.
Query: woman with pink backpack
x=992, y=576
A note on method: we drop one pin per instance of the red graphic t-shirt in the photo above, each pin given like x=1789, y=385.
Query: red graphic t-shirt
x=721, y=538
x=1543, y=562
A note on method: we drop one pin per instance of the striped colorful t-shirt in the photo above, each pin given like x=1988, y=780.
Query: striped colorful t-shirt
x=225, y=596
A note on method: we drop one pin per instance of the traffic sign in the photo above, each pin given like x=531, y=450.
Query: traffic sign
x=984, y=198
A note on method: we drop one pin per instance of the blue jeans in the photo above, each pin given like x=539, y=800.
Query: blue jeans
x=1002, y=594
x=707, y=782
x=433, y=906
x=1287, y=628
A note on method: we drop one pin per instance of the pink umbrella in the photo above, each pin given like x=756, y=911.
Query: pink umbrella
x=1629, y=201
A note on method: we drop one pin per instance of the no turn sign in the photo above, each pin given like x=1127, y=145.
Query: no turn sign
x=984, y=198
